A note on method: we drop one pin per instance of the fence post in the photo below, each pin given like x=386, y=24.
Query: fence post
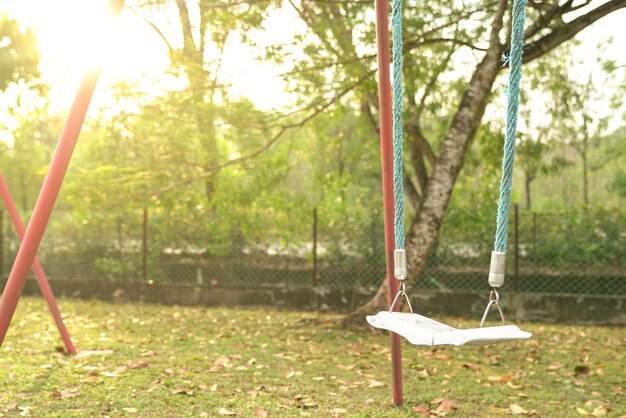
x=534, y=238
x=314, y=246
x=516, y=282
x=144, y=247
x=315, y=273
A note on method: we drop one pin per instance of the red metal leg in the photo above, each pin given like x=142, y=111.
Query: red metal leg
x=49, y=192
x=46, y=290
x=386, y=148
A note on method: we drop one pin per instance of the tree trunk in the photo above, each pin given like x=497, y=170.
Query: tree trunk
x=424, y=228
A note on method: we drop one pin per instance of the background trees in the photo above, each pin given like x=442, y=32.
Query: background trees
x=222, y=175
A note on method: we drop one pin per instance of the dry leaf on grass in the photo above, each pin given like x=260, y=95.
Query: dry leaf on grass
x=181, y=391
x=66, y=393
x=260, y=412
x=503, y=378
x=89, y=353
x=581, y=411
x=137, y=364
x=599, y=412
x=471, y=366
x=376, y=384
x=421, y=411
x=517, y=410
x=446, y=406
x=224, y=411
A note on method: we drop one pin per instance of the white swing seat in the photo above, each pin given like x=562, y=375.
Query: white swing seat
x=420, y=330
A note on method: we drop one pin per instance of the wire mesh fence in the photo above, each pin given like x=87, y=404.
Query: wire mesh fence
x=548, y=253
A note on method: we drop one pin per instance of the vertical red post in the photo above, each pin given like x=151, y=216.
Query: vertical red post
x=42, y=280
x=49, y=193
x=386, y=148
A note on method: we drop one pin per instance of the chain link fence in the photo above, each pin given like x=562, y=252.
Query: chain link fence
x=548, y=253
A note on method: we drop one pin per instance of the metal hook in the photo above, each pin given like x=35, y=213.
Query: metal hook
x=494, y=300
x=401, y=292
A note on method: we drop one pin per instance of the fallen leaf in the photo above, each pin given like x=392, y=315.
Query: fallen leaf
x=471, y=366
x=181, y=391
x=130, y=410
x=291, y=374
x=555, y=366
x=260, y=412
x=88, y=353
x=66, y=393
x=504, y=378
x=447, y=405
x=91, y=379
x=517, y=410
x=137, y=364
x=421, y=411
x=513, y=386
x=581, y=411
x=338, y=411
x=376, y=384
x=224, y=411
x=599, y=412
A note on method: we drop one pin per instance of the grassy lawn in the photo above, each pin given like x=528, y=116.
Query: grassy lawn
x=151, y=360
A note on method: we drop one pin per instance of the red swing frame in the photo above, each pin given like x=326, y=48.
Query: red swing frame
x=386, y=150
x=33, y=235
x=40, y=275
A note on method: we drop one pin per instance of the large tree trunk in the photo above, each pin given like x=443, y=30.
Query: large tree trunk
x=424, y=228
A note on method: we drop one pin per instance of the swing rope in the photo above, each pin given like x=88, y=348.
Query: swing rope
x=514, y=60
x=399, y=254
x=398, y=176
x=515, y=74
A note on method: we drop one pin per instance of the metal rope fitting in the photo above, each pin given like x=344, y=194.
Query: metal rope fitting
x=399, y=264
x=496, y=269
x=494, y=300
x=401, y=292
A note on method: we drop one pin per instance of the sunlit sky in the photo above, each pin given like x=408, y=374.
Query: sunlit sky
x=65, y=30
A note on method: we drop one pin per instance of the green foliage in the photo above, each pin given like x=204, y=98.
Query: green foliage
x=19, y=56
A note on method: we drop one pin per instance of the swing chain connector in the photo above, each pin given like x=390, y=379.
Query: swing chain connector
x=401, y=292
x=497, y=269
x=494, y=300
x=399, y=264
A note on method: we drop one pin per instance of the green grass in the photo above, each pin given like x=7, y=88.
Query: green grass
x=180, y=361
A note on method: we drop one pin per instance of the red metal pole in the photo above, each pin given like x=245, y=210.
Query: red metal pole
x=46, y=290
x=49, y=192
x=386, y=149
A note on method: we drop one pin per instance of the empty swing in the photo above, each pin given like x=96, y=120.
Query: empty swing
x=418, y=329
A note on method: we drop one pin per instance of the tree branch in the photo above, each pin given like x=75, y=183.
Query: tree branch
x=156, y=29
x=212, y=171
x=567, y=31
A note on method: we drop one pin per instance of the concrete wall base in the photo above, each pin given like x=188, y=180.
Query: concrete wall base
x=519, y=307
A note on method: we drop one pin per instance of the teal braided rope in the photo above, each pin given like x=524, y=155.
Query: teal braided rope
x=515, y=75
x=398, y=176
